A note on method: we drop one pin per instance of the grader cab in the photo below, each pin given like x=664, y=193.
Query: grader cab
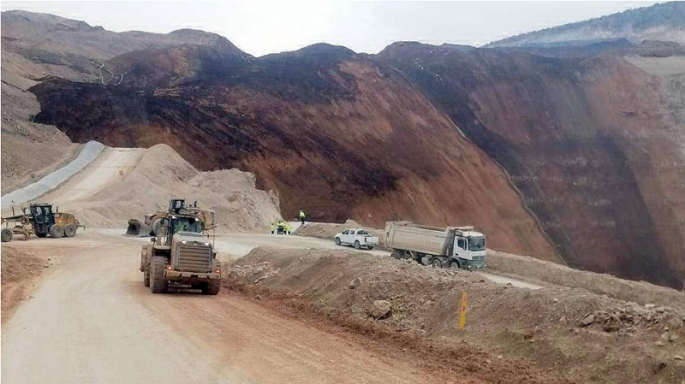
x=41, y=220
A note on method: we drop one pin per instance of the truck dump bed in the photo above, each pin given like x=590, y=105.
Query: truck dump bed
x=403, y=235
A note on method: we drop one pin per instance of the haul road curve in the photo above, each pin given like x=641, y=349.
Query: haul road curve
x=92, y=321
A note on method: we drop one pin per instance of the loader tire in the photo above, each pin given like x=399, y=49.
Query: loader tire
x=6, y=235
x=146, y=278
x=70, y=230
x=212, y=288
x=158, y=283
x=56, y=231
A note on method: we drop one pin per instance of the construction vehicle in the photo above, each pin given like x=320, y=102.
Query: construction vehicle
x=450, y=247
x=151, y=222
x=357, y=237
x=40, y=220
x=181, y=253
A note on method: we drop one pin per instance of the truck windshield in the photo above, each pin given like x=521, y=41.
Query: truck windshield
x=186, y=224
x=477, y=244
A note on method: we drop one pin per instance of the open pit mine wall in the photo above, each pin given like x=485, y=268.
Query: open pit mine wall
x=334, y=133
x=592, y=143
x=587, y=141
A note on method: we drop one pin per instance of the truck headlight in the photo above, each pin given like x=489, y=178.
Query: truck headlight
x=207, y=244
x=183, y=242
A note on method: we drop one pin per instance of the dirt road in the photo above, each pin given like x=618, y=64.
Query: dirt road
x=93, y=321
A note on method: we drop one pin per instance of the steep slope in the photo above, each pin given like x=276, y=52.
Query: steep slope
x=331, y=131
x=36, y=46
x=589, y=142
x=663, y=22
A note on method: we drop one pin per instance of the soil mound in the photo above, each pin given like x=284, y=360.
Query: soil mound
x=569, y=331
x=161, y=174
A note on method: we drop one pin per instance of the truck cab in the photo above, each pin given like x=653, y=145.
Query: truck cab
x=469, y=249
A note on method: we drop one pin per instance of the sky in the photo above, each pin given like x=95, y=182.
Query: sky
x=261, y=28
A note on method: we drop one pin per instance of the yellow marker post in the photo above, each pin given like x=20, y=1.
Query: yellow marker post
x=462, y=315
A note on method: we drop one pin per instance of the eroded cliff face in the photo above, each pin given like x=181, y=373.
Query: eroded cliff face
x=589, y=141
x=338, y=134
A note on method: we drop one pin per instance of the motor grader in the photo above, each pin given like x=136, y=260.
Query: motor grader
x=40, y=220
x=181, y=252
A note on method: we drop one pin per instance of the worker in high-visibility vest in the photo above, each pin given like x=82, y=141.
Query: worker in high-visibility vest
x=302, y=216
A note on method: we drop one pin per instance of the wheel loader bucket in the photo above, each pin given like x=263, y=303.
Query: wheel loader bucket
x=136, y=229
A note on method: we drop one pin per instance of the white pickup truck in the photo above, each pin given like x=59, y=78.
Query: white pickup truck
x=359, y=238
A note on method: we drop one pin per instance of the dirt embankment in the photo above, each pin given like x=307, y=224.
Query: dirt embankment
x=20, y=274
x=564, y=332
x=601, y=284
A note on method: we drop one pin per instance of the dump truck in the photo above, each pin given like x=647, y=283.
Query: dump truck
x=441, y=247
x=182, y=253
x=41, y=220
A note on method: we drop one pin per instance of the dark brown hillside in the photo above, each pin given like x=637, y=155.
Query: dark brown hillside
x=334, y=133
x=587, y=140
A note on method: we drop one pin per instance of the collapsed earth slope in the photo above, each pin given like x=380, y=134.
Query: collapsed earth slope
x=36, y=46
x=593, y=144
x=333, y=132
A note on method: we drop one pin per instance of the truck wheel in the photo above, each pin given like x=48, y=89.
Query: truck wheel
x=6, y=235
x=56, y=231
x=454, y=264
x=396, y=255
x=370, y=247
x=158, y=284
x=356, y=244
x=436, y=262
x=337, y=241
x=212, y=288
x=70, y=230
x=146, y=278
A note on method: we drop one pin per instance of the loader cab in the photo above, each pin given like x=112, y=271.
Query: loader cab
x=185, y=224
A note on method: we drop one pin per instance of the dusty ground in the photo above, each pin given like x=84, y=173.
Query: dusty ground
x=625, y=342
x=92, y=320
x=21, y=273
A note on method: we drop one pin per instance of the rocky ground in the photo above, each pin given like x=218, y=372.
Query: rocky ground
x=565, y=331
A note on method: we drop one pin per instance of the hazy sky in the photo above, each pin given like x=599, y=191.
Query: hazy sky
x=267, y=27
